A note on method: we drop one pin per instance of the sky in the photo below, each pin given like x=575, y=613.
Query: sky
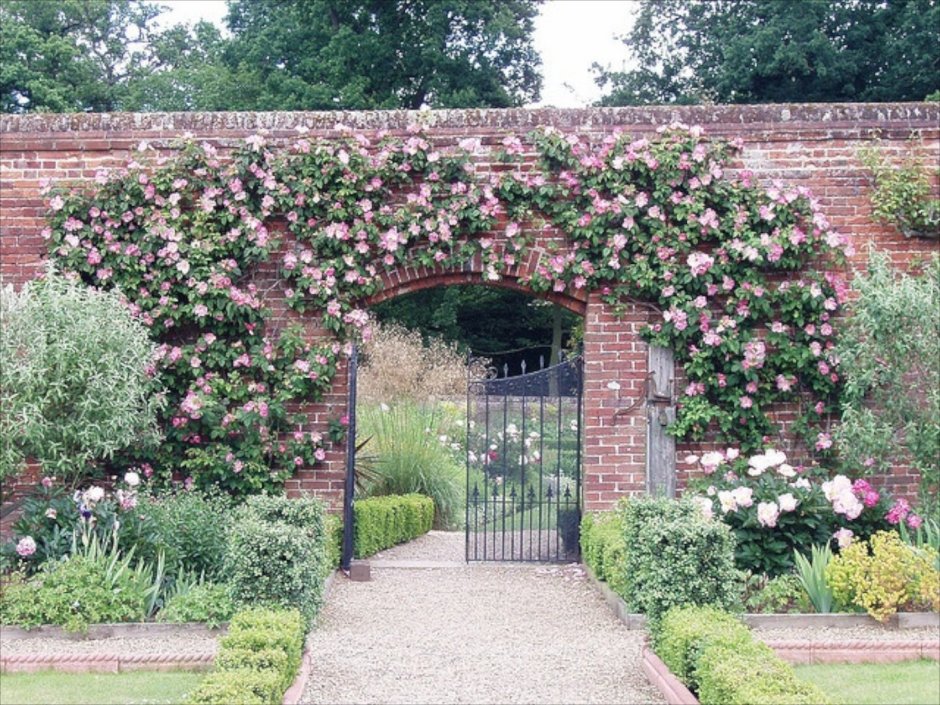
x=569, y=35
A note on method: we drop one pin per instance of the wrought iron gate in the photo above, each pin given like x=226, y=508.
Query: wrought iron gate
x=524, y=463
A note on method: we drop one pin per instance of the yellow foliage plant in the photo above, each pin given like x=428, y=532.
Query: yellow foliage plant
x=885, y=574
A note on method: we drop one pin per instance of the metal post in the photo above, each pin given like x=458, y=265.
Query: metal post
x=349, y=495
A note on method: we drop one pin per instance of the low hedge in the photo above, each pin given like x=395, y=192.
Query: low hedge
x=604, y=548
x=383, y=522
x=717, y=657
x=257, y=661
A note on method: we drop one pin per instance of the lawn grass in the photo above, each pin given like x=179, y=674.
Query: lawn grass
x=132, y=688
x=904, y=683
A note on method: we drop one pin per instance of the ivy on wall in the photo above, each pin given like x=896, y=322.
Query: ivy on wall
x=655, y=220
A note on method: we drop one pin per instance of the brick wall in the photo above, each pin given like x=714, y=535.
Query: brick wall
x=811, y=145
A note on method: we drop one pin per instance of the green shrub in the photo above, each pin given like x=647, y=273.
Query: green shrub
x=675, y=556
x=685, y=632
x=716, y=656
x=603, y=548
x=243, y=687
x=334, y=543
x=190, y=528
x=734, y=673
x=411, y=457
x=244, y=659
x=276, y=551
x=382, y=522
x=889, y=359
x=765, y=595
x=260, y=628
x=75, y=593
x=74, y=369
x=210, y=603
x=257, y=660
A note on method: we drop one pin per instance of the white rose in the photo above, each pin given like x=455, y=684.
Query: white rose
x=132, y=479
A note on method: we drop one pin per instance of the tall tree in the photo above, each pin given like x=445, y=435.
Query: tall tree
x=760, y=51
x=369, y=54
x=71, y=55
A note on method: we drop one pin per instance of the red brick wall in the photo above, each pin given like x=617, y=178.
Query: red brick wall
x=812, y=145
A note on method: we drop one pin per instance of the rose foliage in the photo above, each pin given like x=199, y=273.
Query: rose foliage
x=181, y=236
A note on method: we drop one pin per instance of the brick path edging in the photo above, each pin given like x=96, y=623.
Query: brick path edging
x=671, y=688
x=854, y=651
x=105, y=663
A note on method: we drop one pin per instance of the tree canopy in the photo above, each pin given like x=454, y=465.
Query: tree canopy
x=107, y=55
x=72, y=55
x=763, y=51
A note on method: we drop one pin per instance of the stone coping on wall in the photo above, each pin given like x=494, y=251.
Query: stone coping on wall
x=743, y=118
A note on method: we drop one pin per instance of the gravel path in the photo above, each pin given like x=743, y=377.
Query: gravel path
x=479, y=633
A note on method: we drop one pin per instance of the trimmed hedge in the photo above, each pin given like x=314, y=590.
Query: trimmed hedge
x=277, y=553
x=717, y=657
x=685, y=632
x=604, y=548
x=676, y=556
x=383, y=522
x=257, y=661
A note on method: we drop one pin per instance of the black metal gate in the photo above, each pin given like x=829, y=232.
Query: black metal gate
x=524, y=463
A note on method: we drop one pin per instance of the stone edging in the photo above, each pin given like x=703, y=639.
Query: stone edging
x=672, y=689
x=903, y=620
x=854, y=651
x=107, y=631
x=106, y=663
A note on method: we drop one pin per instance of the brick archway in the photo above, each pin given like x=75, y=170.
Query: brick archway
x=407, y=280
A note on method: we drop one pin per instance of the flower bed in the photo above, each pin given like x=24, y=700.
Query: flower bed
x=122, y=555
x=885, y=559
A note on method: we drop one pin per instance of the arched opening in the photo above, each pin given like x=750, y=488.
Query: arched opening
x=498, y=443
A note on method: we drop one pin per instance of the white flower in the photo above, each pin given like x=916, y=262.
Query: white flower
x=767, y=513
x=836, y=487
x=844, y=537
x=847, y=503
x=94, y=494
x=384, y=407
x=132, y=479
x=787, y=502
x=786, y=470
x=802, y=484
x=759, y=463
x=726, y=499
x=743, y=496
